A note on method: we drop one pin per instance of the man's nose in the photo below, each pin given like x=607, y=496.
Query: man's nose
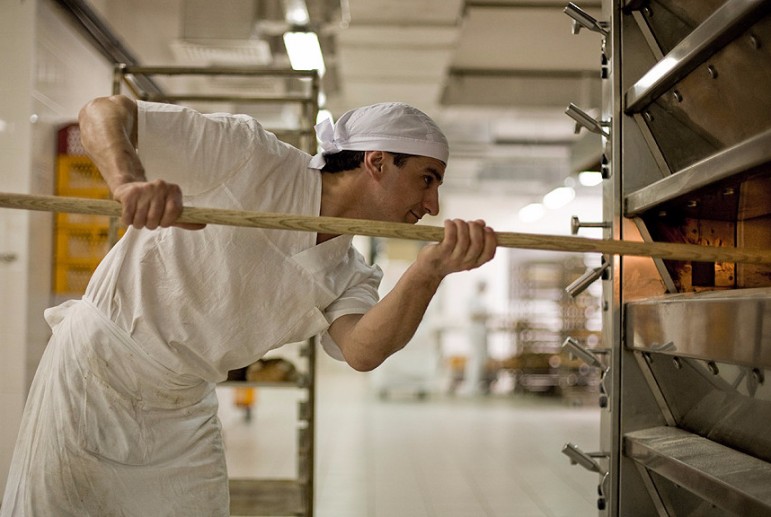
x=431, y=202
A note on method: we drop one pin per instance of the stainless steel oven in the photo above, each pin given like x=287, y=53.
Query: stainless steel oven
x=687, y=158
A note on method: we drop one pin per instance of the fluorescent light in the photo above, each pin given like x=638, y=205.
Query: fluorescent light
x=559, y=197
x=589, y=178
x=531, y=213
x=296, y=12
x=304, y=51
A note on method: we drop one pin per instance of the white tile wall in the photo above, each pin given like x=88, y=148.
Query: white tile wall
x=16, y=55
x=49, y=72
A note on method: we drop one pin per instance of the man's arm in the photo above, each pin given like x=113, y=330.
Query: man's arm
x=108, y=131
x=367, y=340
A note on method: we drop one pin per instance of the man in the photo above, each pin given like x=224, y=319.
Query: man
x=477, y=382
x=121, y=418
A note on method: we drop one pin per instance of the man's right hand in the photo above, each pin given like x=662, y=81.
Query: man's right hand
x=108, y=132
x=150, y=204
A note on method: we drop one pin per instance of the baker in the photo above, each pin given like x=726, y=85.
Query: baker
x=121, y=418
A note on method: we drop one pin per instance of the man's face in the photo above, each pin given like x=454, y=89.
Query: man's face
x=409, y=192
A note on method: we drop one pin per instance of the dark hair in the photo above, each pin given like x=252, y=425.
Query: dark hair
x=348, y=160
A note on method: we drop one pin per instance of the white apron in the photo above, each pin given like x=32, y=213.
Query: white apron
x=117, y=434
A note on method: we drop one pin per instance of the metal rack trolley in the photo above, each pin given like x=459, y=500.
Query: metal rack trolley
x=286, y=87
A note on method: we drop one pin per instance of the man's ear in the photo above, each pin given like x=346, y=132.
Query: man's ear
x=373, y=162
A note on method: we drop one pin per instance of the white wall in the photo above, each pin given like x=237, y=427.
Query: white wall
x=500, y=212
x=49, y=72
x=16, y=53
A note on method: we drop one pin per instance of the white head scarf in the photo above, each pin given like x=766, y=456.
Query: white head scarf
x=390, y=126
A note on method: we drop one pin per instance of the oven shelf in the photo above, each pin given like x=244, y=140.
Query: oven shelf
x=742, y=157
x=722, y=476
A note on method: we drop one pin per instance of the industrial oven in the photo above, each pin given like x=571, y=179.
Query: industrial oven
x=686, y=157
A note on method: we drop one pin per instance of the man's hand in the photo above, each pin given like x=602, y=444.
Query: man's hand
x=108, y=132
x=150, y=204
x=367, y=340
x=465, y=246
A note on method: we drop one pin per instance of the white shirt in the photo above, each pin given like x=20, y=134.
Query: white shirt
x=204, y=302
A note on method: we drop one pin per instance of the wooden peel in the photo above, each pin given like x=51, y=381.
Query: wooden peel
x=336, y=225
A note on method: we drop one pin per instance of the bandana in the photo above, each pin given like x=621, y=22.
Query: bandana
x=391, y=126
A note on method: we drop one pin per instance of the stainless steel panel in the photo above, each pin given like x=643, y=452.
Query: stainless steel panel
x=712, y=108
x=664, y=274
x=722, y=26
x=724, y=477
x=714, y=400
x=655, y=390
x=670, y=21
x=724, y=165
x=727, y=326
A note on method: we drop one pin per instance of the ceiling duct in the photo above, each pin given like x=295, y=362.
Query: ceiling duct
x=224, y=34
x=220, y=33
x=203, y=19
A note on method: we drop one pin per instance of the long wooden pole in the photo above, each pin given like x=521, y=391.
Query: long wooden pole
x=335, y=225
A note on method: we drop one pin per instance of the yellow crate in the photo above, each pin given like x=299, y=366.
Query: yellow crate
x=78, y=176
x=64, y=220
x=72, y=279
x=90, y=244
x=80, y=240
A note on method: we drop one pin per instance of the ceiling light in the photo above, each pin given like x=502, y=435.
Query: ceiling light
x=296, y=12
x=589, y=178
x=531, y=213
x=304, y=51
x=559, y=197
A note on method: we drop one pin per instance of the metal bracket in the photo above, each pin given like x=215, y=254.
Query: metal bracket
x=585, y=120
x=590, y=357
x=588, y=460
x=582, y=20
x=580, y=284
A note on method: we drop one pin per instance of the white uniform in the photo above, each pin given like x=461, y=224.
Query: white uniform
x=121, y=418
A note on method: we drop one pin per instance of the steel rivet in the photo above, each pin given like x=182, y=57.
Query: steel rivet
x=648, y=358
x=648, y=117
x=692, y=204
x=758, y=375
x=754, y=41
x=678, y=96
x=729, y=191
x=712, y=72
x=678, y=364
x=714, y=370
x=647, y=11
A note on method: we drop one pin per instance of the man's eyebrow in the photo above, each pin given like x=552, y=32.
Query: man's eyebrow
x=436, y=174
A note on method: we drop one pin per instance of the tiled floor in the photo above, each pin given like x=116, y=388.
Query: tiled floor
x=404, y=457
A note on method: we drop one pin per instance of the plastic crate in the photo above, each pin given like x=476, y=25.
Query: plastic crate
x=78, y=176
